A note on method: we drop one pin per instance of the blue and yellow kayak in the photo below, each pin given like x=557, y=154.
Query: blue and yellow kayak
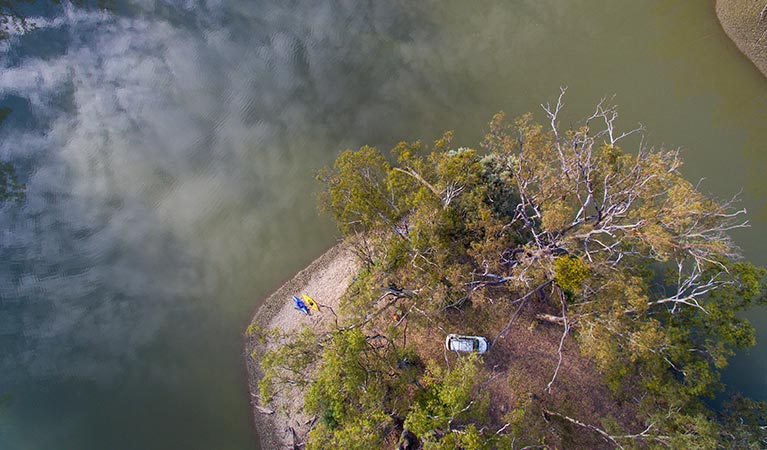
x=310, y=301
x=300, y=305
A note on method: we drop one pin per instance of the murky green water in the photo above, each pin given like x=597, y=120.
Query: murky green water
x=168, y=148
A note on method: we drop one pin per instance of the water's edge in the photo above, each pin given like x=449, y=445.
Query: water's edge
x=734, y=20
x=741, y=22
x=267, y=315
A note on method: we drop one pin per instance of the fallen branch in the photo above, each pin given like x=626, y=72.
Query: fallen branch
x=522, y=301
x=602, y=432
x=296, y=444
x=511, y=322
x=335, y=316
x=263, y=410
x=561, y=341
x=396, y=293
x=644, y=434
x=556, y=320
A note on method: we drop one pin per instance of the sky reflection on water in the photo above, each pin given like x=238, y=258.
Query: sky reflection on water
x=168, y=148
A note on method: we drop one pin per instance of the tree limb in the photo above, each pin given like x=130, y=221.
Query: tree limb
x=522, y=301
x=561, y=341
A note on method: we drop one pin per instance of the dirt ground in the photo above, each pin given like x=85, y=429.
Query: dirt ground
x=745, y=22
x=517, y=368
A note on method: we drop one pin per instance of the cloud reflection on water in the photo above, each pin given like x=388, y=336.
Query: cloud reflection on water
x=174, y=138
x=167, y=149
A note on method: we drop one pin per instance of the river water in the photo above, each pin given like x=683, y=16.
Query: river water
x=168, y=149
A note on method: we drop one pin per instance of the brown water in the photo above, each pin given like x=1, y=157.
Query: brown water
x=169, y=147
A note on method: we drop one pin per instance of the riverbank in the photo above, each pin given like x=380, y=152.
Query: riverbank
x=745, y=22
x=326, y=280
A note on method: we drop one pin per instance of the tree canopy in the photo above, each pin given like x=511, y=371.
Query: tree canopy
x=634, y=262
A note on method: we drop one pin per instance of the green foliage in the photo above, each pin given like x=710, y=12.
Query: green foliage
x=627, y=215
x=358, y=432
x=254, y=330
x=337, y=387
x=433, y=204
x=570, y=273
x=744, y=424
x=674, y=355
x=359, y=388
x=288, y=363
x=683, y=431
x=358, y=195
x=700, y=340
x=542, y=206
x=449, y=400
x=355, y=391
x=362, y=294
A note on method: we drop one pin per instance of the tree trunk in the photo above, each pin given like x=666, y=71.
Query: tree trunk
x=408, y=441
x=557, y=320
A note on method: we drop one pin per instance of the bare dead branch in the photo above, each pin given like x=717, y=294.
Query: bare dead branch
x=556, y=320
x=642, y=435
x=396, y=293
x=561, y=340
x=601, y=432
x=523, y=301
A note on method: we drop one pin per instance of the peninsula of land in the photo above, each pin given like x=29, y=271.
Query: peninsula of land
x=604, y=284
x=603, y=330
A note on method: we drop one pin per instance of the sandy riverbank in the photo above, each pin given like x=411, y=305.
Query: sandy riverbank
x=326, y=279
x=745, y=22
